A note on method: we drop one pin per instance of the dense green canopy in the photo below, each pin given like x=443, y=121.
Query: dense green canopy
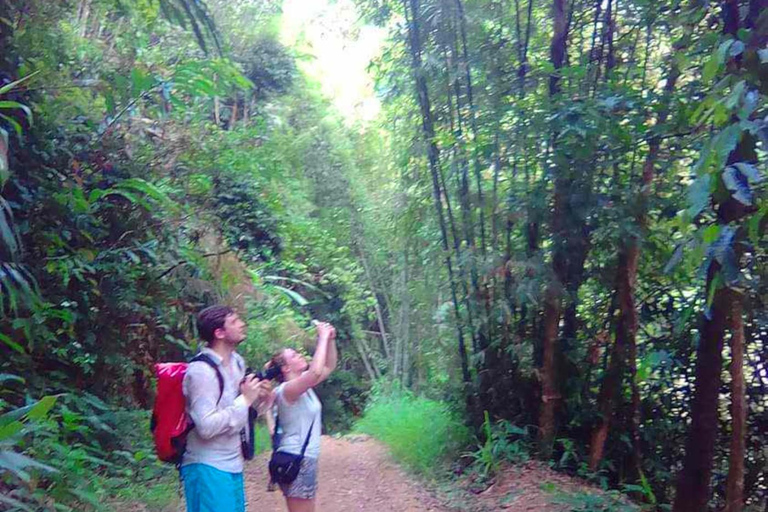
x=556, y=225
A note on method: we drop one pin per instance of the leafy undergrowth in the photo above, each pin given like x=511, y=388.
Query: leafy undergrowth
x=424, y=435
x=533, y=486
x=162, y=493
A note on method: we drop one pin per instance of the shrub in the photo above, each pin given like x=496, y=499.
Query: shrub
x=422, y=434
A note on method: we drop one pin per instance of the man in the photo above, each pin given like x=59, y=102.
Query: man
x=212, y=466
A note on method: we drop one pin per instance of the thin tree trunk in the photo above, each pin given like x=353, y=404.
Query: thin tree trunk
x=624, y=350
x=734, y=488
x=364, y=358
x=626, y=329
x=83, y=14
x=376, y=306
x=233, y=117
x=405, y=333
x=433, y=158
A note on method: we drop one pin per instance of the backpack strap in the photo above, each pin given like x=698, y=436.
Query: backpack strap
x=205, y=358
x=247, y=437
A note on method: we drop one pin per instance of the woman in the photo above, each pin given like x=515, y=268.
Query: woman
x=299, y=412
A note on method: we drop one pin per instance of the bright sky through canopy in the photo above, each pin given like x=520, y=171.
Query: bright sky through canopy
x=339, y=47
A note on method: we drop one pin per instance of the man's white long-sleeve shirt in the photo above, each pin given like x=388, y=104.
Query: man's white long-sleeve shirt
x=215, y=440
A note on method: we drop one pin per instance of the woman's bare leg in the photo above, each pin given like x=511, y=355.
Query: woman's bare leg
x=300, y=505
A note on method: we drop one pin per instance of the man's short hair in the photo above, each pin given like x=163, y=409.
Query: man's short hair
x=212, y=318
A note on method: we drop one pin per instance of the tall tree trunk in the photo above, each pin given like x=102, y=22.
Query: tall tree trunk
x=626, y=329
x=624, y=351
x=693, y=486
x=550, y=386
x=734, y=492
x=693, y=483
x=433, y=158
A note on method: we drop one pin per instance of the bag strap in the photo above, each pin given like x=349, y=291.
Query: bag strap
x=205, y=358
x=275, y=439
x=306, y=441
x=247, y=435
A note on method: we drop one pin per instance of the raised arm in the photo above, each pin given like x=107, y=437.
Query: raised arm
x=332, y=358
x=316, y=371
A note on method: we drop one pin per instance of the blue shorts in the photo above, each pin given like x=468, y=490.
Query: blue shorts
x=208, y=489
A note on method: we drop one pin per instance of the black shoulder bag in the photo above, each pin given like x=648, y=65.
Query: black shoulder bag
x=284, y=467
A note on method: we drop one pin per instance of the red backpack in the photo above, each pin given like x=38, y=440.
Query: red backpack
x=170, y=424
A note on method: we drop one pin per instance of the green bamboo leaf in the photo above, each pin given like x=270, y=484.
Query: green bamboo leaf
x=305, y=284
x=14, y=124
x=8, y=236
x=8, y=87
x=11, y=344
x=298, y=299
x=21, y=412
x=8, y=377
x=753, y=226
x=15, y=105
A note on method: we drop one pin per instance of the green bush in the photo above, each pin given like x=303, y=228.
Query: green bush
x=422, y=434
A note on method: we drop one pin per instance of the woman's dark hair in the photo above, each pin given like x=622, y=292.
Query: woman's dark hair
x=212, y=318
x=277, y=361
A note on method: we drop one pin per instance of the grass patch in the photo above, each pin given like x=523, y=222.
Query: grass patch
x=422, y=434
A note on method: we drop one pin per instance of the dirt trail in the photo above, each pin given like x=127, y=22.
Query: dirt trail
x=356, y=474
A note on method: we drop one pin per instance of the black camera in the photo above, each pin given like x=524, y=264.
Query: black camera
x=270, y=373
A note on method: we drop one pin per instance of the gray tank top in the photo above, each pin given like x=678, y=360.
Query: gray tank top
x=295, y=420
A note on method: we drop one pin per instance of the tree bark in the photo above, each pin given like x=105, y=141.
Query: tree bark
x=550, y=388
x=559, y=43
x=734, y=492
x=694, y=480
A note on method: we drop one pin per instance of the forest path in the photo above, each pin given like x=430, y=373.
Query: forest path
x=355, y=474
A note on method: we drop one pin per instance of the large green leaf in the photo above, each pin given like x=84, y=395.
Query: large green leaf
x=297, y=298
x=698, y=195
x=17, y=464
x=41, y=408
